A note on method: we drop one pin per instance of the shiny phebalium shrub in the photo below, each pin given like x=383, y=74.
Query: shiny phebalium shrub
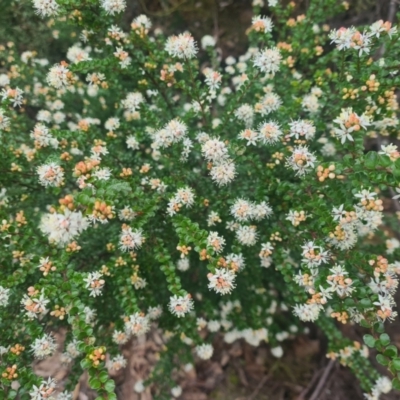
x=140, y=191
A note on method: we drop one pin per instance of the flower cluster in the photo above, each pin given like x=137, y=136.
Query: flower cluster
x=151, y=183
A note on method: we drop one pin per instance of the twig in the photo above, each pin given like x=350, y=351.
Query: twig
x=392, y=10
x=322, y=381
x=259, y=387
x=310, y=385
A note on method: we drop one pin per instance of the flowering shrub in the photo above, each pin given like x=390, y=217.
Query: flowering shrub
x=241, y=197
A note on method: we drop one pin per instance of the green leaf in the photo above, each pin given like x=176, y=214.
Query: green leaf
x=384, y=339
x=94, y=383
x=103, y=376
x=382, y=359
x=385, y=161
x=371, y=159
x=369, y=341
x=110, y=385
x=396, y=383
x=396, y=364
x=85, y=364
x=366, y=303
x=391, y=351
x=365, y=323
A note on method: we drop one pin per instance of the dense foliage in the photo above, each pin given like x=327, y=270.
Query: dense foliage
x=147, y=183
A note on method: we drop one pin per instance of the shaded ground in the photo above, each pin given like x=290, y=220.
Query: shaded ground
x=238, y=371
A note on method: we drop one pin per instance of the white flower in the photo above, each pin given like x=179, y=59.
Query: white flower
x=216, y=241
x=223, y=172
x=176, y=129
x=207, y=41
x=383, y=384
x=123, y=57
x=262, y=24
x=113, y=7
x=183, y=264
x=44, y=347
x=127, y=214
x=328, y=149
x=365, y=195
x=249, y=135
x=180, y=305
x=132, y=143
x=277, y=351
x=131, y=240
x=247, y=235
x=213, y=325
x=176, y=391
x=35, y=306
x=181, y=46
x=346, y=240
x=44, y=116
x=62, y=228
x=154, y=312
x=242, y=210
x=223, y=281
x=4, y=296
x=50, y=174
x=268, y=60
x=4, y=80
x=46, y=8
x=132, y=101
x=269, y=103
x=120, y=337
x=342, y=37
x=64, y=396
x=112, y=124
x=310, y=103
x=139, y=387
x=213, y=79
x=307, y=312
x=185, y=196
x=116, y=363
x=44, y=391
x=302, y=129
x=314, y=256
x=102, y=174
x=204, y=351
x=14, y=95
x=58, y=76
x=245, y=113
x=390, y=150
x=214, y=150
x=391, y=245
x=141, y=21
x=4, y=120
x=269, y=132
x=301, y=160
x=76, y=54
x=349, y=122
x=94, y=283
x=72, y=348
x=262, y=210
x=138, y=324
x=235, y=261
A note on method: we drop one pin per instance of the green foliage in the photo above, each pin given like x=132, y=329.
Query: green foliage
x=146, y=182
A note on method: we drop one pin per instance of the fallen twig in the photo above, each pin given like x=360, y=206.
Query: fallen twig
x=259, y=387
x=322, y=381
